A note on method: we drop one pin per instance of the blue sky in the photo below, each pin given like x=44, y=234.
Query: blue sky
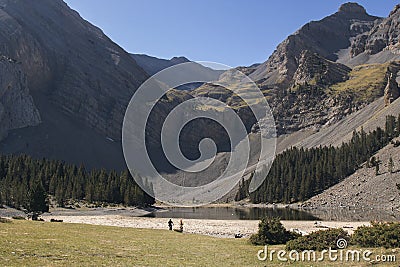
x=234, y=33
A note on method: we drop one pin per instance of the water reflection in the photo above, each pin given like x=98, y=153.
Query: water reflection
x=230, y=213
x=363, y=215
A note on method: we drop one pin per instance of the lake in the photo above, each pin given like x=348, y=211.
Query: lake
x=232, y=213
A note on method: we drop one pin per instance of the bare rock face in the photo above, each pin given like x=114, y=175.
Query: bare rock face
x=314, y=69
x=70, y=62
x=325, y=37
x=79, y=79
x=391, y=90
x=383, y=36
x=17, y=109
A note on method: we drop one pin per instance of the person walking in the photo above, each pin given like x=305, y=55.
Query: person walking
x=170, y=224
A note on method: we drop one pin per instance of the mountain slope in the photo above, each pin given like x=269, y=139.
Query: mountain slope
x=72, y=62
x=17, y=109
x=364, y=189
x=325, y=37
x=75, y=73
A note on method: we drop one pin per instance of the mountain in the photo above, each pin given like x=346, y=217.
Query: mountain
x=80, y=82
x=308, y=82
x=378, y=45
x=325, y=37
x=152, y=65
x=66, y=85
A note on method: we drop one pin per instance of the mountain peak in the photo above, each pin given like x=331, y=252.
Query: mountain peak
x=352, y=8
x=395, y=10
x=178, y=60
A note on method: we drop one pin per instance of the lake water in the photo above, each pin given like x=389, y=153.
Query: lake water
x=232, y=213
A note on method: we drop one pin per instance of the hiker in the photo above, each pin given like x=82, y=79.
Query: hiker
x=170, y=224
x=181, y=225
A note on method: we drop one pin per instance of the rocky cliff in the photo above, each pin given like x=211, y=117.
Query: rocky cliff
x=17, y=109
x=70, y=61
x=314, y=69
x=80, y=81
x=383, y=36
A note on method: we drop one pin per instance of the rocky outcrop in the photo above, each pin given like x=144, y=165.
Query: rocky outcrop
x=391, y=90
x=314, y=69
x=383, y=36
x=17, y=109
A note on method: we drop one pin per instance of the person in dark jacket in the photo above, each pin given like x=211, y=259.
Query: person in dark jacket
x=170, y=224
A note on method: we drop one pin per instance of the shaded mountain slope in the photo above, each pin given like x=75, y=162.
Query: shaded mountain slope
x=80, y=81
x=17, y=109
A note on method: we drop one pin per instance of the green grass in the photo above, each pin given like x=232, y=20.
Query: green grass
x=27, y=243
x=366, y=82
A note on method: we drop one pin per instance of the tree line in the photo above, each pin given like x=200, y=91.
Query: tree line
x=24, y=180
x=298, y=174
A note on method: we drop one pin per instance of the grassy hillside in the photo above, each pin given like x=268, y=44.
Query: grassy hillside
x=366, y=82
x=26, y=243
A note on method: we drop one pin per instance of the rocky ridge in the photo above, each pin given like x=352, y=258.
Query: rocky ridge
x=383, y=36
x=325, y=37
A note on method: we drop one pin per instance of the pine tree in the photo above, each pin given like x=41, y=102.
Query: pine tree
x=391, y=165
x=37, y=199
x=377, y=167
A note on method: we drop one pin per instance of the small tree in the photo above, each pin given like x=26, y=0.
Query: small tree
x=272, y=232
x=37, y=202
x=391, y=165
x=377, y=163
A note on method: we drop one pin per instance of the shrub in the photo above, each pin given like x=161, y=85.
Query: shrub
x=272, y=232
x=379, y=234
x=318, y=241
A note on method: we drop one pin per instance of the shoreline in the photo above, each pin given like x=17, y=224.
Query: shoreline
x=215, y=228
x=135, y=218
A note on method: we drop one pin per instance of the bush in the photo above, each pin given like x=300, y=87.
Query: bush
x=318, y=241
x=379, y=234
x=272, y=232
